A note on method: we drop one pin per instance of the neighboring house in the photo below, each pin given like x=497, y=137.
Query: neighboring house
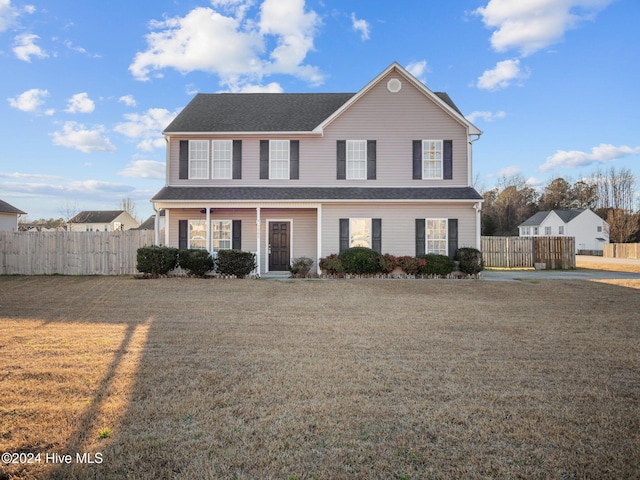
x=590, y=231
x=102, y=221
x=150, y=224
x=9, y=217
x=292, y=175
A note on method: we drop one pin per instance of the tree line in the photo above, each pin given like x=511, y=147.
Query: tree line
x=610, y=193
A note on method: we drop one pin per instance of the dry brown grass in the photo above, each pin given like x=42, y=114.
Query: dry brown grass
x=320, y=379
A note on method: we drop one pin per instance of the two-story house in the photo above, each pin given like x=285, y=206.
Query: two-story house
x=291, y=175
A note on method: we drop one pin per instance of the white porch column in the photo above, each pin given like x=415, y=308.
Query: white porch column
x=207, y=235
x=258, y=223
x=166, y=227
x=478, y=209
x=319, y=237
x=156, y=226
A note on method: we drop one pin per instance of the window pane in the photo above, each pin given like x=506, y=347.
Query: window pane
x=432, y=159
x=437, y=237
x=279, y=159
x=198, y=158
x=222, y=154
x=220, y=235
x=360, y=232
x=356, y=159
x=197, y=234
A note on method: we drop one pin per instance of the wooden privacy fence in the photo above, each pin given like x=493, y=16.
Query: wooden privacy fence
x=525, y=252
x=622, y=250
x=71, y=253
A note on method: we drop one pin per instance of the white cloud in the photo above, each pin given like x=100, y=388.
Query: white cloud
x=144, y=169
x=601, y=154
x=24, y=47
x=234, y=48
x=30, y=100
x=146, y=127
x=509, y=171
x=418, y=69
x=7, y=15
x=128, y=100
x=361, y=26
x=502, y=75
x=529, y=26
x=80, y=103
x=87, y=140
x=272, y=87
x=486, y=116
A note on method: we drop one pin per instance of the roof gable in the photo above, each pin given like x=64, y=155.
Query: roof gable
x=538, y=218
x=7, y=208
x=96, y=216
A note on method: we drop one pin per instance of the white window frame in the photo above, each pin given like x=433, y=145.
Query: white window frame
x=356, y=166
x=369, y=239
x=561, y=230
x=535, y=230
x=191, y=229
x=432, y=238
x=215, y=249
x=547, y=231
x=198, y=167
x=432, y=164
x=279, y=168
x=222, y=159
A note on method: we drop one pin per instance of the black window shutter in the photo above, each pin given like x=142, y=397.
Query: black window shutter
x=264, y=159
x=417, y=159
x=294, y=159
x=376, y=234
x=183, y=173
x=421, y=238
x=453, y=237
x=183, y=234
x=237, y=160
x=236, y=232
x=344, y=234
x=342, y=159
x=447, y=159
x=371, y=159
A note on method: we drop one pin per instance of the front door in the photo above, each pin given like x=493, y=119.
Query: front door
x=278, y=246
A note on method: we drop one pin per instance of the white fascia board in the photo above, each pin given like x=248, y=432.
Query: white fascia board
x=244, y=134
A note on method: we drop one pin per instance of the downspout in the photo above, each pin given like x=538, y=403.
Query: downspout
x=156, y=226
x=470, y=155
x=478, y=208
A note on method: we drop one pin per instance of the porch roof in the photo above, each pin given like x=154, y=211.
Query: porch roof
x=315, y=194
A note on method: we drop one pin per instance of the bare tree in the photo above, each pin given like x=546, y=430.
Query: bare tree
x=616, y=189
x=128, y=206
x=69, y=209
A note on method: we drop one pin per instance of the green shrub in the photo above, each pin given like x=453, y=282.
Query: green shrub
x=156, y=260
x=388, y=263
x=360, y=260
x=412, y=265
x=235, y=262
x=437, y=264
x=197, y=261
x=470, y=260
x=331, y=264
x=301, y=266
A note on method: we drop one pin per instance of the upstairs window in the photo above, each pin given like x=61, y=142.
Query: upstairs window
x=279, y=159
x=547, y=231
x=221, y=159
x=198, y=159
x=432, y=159
x=356, y=159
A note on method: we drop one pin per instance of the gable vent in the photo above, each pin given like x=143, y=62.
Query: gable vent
x=394, y=85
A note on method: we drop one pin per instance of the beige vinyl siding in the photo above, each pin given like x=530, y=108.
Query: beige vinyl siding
x=394, y=120
x=398, y=223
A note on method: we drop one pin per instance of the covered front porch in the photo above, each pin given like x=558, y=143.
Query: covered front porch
x=277, y=233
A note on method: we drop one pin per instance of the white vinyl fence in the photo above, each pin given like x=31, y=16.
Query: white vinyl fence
x=71, y=253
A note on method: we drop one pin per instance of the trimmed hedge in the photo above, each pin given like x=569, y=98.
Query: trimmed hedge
x=301, y=266
x=360, y=260
x=470, y=260
x=331, y=264
x=156, y=260
x=235, y=262
x=437, y=265
x=197, y=261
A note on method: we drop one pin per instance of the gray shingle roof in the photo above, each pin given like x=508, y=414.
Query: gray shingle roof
x=313, y=193
x=7, y=208
x=565, y=215
x=96, y=216
x=261, y=112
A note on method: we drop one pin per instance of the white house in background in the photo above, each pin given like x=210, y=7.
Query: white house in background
x=590, y=231
x=9, y=217
x=102, y=221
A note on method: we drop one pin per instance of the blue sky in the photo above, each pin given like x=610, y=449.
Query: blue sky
x=87, y=87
